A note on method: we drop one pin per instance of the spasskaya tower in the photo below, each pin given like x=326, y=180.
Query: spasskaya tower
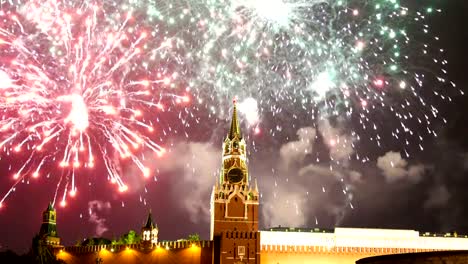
x=234, y=204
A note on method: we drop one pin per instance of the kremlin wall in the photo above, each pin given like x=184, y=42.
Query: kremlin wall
x=235, y=237
x=345, y=245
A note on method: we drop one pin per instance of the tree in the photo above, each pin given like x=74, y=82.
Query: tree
x=194, y=237
x=130, y=238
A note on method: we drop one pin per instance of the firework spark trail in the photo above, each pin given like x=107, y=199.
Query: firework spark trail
x=371, y=67
x=74, y=88
x=369, y=62
x=75, y=71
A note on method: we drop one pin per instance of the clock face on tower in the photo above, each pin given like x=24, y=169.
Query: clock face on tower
x=235, y=175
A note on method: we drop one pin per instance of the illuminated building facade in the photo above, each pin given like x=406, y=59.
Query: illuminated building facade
x=236, y=239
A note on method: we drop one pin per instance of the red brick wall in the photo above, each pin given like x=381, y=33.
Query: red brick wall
x=166, y=252
x=236, y=207
x=232, y=240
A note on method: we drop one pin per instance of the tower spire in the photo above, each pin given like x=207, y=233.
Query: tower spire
x=149, y=221
x=235, y=128
x=50, y=207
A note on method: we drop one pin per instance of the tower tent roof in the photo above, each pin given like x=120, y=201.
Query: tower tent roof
x=149, y=222
x=235, y=127
x=50, y=207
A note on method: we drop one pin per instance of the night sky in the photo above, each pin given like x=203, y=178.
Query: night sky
x=425, y=192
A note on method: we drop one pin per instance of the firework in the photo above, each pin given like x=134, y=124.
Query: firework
x=372, y=65
x=81, y=83
x=368, y=76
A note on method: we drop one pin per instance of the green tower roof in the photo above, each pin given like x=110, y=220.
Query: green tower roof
x=50, y=207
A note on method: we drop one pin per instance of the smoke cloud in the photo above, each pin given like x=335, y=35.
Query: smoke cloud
x=284, y=201
x=284, y=206
x=303, y=188
x=196, y=165
x=294, y=152
x=438, y=197
x=95, y=208
x=339, y=145
x=395, y=168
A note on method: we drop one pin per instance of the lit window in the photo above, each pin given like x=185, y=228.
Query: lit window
x=241, y=250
